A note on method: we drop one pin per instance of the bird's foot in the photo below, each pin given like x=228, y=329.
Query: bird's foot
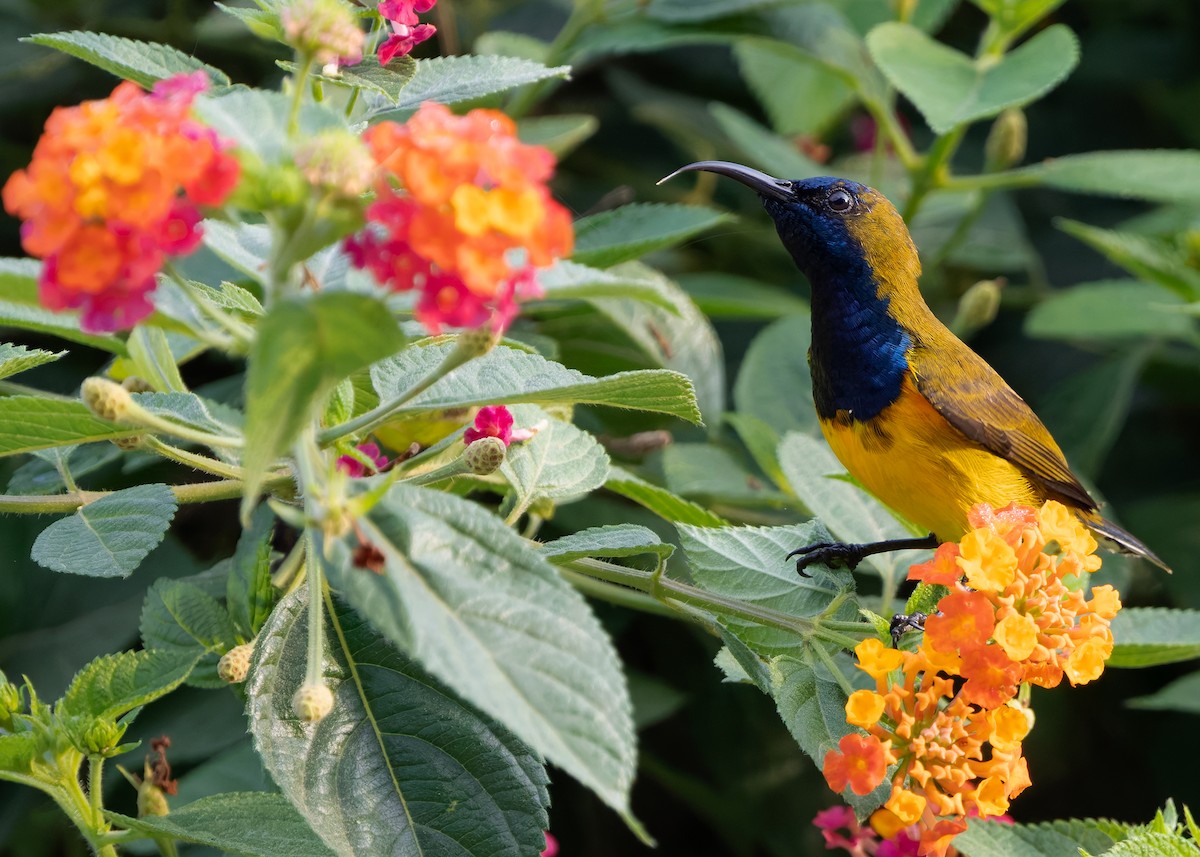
x=827, y=553
x=902, y=623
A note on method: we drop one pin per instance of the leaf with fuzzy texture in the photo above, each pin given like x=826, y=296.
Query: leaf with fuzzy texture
x=401, y=765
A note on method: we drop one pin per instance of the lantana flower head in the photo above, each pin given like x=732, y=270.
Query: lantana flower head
x=1015, y=613
x=114, y=187
x=462, y=215
x=495, y=421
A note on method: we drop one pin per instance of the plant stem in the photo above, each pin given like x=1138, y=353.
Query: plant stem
x=932, y=172
x=96, y=785
x=299, y=82
x=58, y=504
x=314, y=670
x=191, y=459
x=377, y=416
x=139, y=416
x=620, y=595
x=666, y=589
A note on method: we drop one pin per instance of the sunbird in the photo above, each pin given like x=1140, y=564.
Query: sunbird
x=916, y=416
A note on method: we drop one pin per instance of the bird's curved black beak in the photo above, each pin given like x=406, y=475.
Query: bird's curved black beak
x=765, y=185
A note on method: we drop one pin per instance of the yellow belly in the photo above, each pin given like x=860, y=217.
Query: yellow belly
x=913, y=460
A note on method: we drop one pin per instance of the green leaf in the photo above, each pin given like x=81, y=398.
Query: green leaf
x=505, y=375
x=951, y=89
x=1061, y=839
x=450, y=80
x=111, y=685
x=660, y=501
x=760, y=147
x=571, y=281
x=559, y=464
x=702, y=10
x=613, y=540
x=774, y=383
x=1146, y=258
x=144, y=63
x=19, y=308
x=257, y=121
x=716, y=475
x=41, y=474
x=799, y=94
x=400, y=765
x=18, y=358
x=728, y=296
x=1183, y=694
x=249, y=592
x=560, y=134
x=28, y=423
x=481, y=610
x=1148, y=636
x=749, y=564
x=683, y=340
x=1015, y=16
x=244, y=246
x=18, y=751
x=812, y=705
x=302, y=350
x=252, y=824
x=1086, y=411
x=826, y=34
x=1158, y=175
x=108, y=537
x=631, y=231
x=152, y=359
x=851, y=514
x=368, y=75
x=180, y=617
x=1151, y=844
x=1110, y=310
x=762, y=442
x=191, y=410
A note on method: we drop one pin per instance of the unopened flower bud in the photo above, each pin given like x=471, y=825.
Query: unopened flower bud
x=106, y=399
x=978, y=306
x=485, y=455
x=128, y=443
x=151, y=800
x=10, y=702
x=312, y=702
x=235, y=664
x=134, y=384
x=336, y=160
x=476, y=342
x=101, y=737
x=326, y=30
x=1005, y=145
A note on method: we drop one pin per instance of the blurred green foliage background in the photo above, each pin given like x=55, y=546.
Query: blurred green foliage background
x=719, y=775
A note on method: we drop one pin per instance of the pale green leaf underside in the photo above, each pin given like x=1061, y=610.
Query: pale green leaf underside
x=1110, y=309
x=108, y=537
x=660, y=501
x=250, y=824
x=571, y=281
x=614, y=540
x=368, y=75
x=477, y=606
x=400, y=766
x=144, y=63
x=1180, y=695
x=1147, y=258
x=449, y=80
x=506, y=375
x=1148, y=636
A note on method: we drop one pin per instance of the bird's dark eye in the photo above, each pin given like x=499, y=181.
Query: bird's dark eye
x=840, y=201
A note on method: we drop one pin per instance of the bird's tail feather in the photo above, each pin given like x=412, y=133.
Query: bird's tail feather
x=1127, y=542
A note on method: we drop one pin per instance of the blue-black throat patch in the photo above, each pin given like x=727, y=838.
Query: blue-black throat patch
x=859, y=351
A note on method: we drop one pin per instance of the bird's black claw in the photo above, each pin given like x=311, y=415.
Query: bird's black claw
x=902, y=623
x=826, y=553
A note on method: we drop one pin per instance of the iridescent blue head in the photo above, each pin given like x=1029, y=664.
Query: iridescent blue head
x=857, y=254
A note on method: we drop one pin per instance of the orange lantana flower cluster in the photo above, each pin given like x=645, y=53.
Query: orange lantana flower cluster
x=114, y=187
x=944, y=719
x=462, y=215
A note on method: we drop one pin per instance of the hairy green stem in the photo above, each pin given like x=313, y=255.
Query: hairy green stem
x=933, y=170
x=668, y=590
x=300, y=82
x=139, y=416
x=620, y=595
x=377, y=416
x=58, y=504
x=191, y=459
